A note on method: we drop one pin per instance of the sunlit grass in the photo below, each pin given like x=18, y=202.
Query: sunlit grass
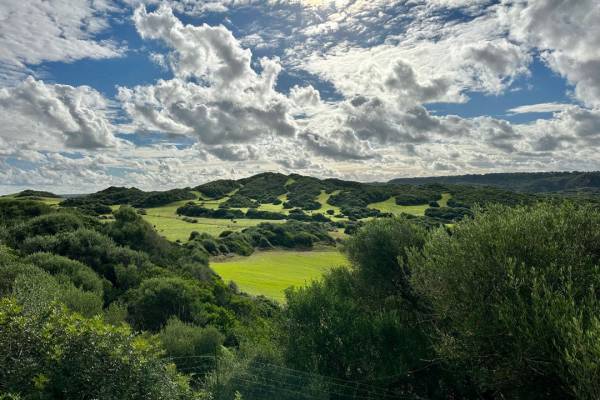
x=174, y=228
x=390, y=206
x=269, y=273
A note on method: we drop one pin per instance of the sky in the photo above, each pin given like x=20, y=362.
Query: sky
x=165, y=94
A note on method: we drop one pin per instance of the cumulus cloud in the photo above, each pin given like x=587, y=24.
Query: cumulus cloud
x=216, y=96
x=34, y=111
x=34, y=31
x=340, y=145
x=566, y=32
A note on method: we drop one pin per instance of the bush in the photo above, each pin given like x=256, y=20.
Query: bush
x=514, y=297
x=49, y=224
x=12, y=211
x=218, y=189
x=256, y=214
x=239, y=201
x=188, y=345
x=193, y=210
x=448, y=214
x=411, y=199
x=158, y=299
x=378, y=251
x=78, y=273
x=56, y=354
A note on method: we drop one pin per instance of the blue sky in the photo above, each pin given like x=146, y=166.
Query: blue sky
x=161, y=94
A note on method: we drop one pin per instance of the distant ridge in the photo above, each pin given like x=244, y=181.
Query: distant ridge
x=518, y=181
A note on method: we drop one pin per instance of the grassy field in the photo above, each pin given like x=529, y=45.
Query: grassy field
x=169, y=225
x=390, y=206
x=270, y=272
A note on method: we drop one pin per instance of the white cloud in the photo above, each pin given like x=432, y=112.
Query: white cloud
x=216, y=96
x=34, y=31
x=538, y=108
x=566, y=32
x=45, y=115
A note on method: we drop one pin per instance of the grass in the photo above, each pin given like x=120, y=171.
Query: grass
x=390, y=206
x=168, y=224
x=276, y=208
x=323, y=198
x=269, y=273
x=174, y=228
x=51, y=201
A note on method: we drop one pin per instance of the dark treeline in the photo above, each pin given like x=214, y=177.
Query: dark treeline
x=526, y=181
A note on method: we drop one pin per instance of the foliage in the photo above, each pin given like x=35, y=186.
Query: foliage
x=303, y=192
x=194, y=210
x=132, y=196
x=157, y=199
x=49, y=224
x=158, y=299
x=13, y=211
x=189, y=345
x=79, y=274
x=218, y=189
x=448, y=214
x=36, y=193
x=57, y=354
x=523, y=181
x=239, y=201
x=264, y=188
x=514, y=297
x=258, y=214
x=129, y=229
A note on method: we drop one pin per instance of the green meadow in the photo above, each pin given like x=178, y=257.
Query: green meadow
x=168, y=224
x=269, y=273
x=390, y=206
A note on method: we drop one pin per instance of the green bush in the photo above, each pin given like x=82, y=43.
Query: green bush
x=158, y=299
x=378, y=251
x=514, y=299
x=79, y=274
x=56, y=354
x=49, y=224
x=191, y=348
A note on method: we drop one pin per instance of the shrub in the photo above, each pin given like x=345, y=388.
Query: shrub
x=158, y=299
x=57, y=354
x=188, y=345
x=78, y=273
x=448, y=214
x=514, y=297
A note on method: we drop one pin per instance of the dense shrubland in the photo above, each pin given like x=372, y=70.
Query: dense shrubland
x=503, y=304
x=99, y=202
x=218, y=189
x=290, y=235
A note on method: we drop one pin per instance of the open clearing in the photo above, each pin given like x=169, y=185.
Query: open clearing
x=270, y=272
x=172, y=227
x=390, y=206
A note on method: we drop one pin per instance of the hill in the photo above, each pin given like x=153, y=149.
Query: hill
x=526, y=182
